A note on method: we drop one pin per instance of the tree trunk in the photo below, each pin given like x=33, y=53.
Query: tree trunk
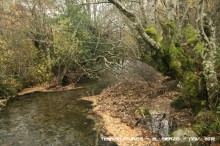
x=207, y=31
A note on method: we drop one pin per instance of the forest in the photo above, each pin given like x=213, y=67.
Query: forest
x=165, y=51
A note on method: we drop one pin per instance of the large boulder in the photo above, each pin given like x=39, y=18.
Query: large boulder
x=134, y=70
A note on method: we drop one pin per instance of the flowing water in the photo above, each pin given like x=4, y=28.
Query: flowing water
x=50, y=119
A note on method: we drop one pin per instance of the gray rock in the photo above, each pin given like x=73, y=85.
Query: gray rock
x=134, y=70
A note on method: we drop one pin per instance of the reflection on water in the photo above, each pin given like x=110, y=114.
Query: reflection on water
x=50, y=119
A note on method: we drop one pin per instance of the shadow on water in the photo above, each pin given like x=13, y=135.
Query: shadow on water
x=50, y=119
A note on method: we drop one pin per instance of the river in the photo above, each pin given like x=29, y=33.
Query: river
x=51, y=119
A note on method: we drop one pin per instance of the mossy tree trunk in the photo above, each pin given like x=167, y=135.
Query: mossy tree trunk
x=207, y=31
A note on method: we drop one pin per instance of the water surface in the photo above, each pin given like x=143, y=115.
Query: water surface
x=50, y=119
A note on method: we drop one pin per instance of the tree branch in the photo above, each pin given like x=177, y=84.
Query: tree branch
x=137, y=24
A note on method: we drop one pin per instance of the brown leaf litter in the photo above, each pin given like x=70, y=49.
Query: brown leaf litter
x=118, y=104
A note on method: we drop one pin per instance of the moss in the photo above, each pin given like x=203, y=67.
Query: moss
x=167, y=60
x=191, y=84
x=181, y=60
x=170, y=28
x=152, y=32
x=178, y=59
x=192, y=64
x=190, y=34
x=199, y=49
x=171, y=24
x=171, y=60
x=175, y=64
x=193, y=90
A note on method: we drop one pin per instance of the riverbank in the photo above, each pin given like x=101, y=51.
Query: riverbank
x=125, y=108
x=45, y=88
